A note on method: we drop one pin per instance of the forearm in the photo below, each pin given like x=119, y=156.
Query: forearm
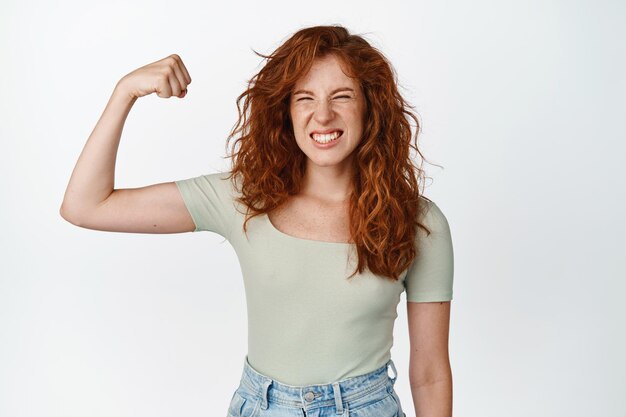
x=433, y=399
x=93, y=177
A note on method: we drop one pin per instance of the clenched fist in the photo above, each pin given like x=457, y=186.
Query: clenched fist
x=167, y=77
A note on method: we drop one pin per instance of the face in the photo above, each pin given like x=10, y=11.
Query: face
x=327, y=110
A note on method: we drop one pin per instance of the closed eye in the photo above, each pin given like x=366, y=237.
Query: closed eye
x=309, y=98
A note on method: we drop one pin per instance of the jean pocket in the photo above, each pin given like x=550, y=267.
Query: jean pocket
x=243, y=406
x=381, y=407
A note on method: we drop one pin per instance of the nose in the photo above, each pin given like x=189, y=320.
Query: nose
x=323, y=112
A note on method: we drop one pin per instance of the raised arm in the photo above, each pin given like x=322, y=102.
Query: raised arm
x=90, y=199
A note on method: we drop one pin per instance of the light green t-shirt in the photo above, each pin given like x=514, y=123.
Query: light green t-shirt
x=308, y=324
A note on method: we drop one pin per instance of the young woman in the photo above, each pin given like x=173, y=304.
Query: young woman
x=324, y=209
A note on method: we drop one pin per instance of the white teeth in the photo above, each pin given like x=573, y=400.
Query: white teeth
x=325, y=138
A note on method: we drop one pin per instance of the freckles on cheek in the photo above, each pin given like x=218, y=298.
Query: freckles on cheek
x=299, y=119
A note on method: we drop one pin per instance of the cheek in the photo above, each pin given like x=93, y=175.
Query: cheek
x=300, y=127
x=296, y=118
x=358, y=121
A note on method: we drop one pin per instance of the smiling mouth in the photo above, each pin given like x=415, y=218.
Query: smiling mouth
x=326, y=138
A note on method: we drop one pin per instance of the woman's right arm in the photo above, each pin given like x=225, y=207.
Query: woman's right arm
x=90, y=200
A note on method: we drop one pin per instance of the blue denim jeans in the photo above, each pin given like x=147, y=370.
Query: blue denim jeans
x=367, y=395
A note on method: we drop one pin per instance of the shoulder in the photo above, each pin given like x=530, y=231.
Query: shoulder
x=216, y=177
x=431, y=274
x=217, y=187
x=220, y=181
x=433, y=217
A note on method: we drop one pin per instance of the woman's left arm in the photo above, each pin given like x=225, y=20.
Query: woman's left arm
x=430, y=375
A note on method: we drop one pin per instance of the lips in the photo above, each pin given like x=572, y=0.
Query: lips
x=325, y=132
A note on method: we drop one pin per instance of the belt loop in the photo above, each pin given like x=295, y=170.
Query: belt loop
x=264, y=393
x=395, y=372
x=338, y=402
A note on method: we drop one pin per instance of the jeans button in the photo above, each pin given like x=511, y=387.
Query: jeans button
x=309, y=396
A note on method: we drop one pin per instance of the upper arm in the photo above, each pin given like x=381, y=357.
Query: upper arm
x=429, y=325
x=157, y=208
x=430, y=277
x=202, y=203
x=210, y=200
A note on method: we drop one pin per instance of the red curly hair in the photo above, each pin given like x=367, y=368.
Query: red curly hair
x=386, y=204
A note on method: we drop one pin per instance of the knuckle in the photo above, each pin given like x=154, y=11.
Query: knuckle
x=164, y=70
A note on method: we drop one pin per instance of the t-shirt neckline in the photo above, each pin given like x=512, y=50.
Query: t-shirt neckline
x=300, y=239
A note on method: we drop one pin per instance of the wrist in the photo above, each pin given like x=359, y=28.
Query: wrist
x=122, y=92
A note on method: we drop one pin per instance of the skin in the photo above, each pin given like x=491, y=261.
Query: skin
x=430, y=374
x=90, y=200
x=328, y=171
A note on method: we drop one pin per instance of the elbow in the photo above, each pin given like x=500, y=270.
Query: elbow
x=68, y=215
x=429, y=372
x=430, y=379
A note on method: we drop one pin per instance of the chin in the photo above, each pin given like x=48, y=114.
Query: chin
x=327, y=162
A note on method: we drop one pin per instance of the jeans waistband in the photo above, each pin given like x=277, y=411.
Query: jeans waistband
x=314, y=396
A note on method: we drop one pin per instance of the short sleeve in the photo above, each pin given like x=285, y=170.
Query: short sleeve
x=430, y=277
x=209, y=200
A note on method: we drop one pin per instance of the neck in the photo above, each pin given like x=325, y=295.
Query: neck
x=331, y=184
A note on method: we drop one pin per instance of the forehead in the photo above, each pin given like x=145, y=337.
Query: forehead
x=326, y=72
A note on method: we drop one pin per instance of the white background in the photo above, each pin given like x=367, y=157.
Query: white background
x=522, y=109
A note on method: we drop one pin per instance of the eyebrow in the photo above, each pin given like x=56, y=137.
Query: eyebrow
x=336, y=90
